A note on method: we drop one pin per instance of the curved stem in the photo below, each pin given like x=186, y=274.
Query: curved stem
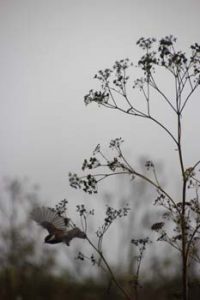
x=188, y=96
x=195, y=165
x=158, y=187
x=138, y=113
x=163, y=127
x=109, y=270
x=154, y=85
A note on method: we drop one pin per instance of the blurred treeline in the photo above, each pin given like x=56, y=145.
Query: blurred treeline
x=29, y=270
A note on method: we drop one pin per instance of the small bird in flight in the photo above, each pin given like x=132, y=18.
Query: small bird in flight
x=57, y=226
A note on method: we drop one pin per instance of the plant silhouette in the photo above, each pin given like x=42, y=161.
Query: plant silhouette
x=182, y=214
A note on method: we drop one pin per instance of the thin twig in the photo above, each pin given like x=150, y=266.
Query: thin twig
x=123, y=291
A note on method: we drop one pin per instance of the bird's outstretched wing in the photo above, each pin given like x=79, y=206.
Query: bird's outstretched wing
x=48, y=219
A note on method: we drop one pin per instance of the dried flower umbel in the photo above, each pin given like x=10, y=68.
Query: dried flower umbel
x=114, y=93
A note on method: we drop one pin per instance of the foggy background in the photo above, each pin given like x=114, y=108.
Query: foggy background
x=50, y=51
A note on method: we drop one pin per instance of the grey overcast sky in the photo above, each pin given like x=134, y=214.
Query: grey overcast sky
x=49, y=52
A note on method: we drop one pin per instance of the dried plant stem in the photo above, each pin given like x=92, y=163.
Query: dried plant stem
x=183, y=221
x=123, y=291
x=185, y=72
